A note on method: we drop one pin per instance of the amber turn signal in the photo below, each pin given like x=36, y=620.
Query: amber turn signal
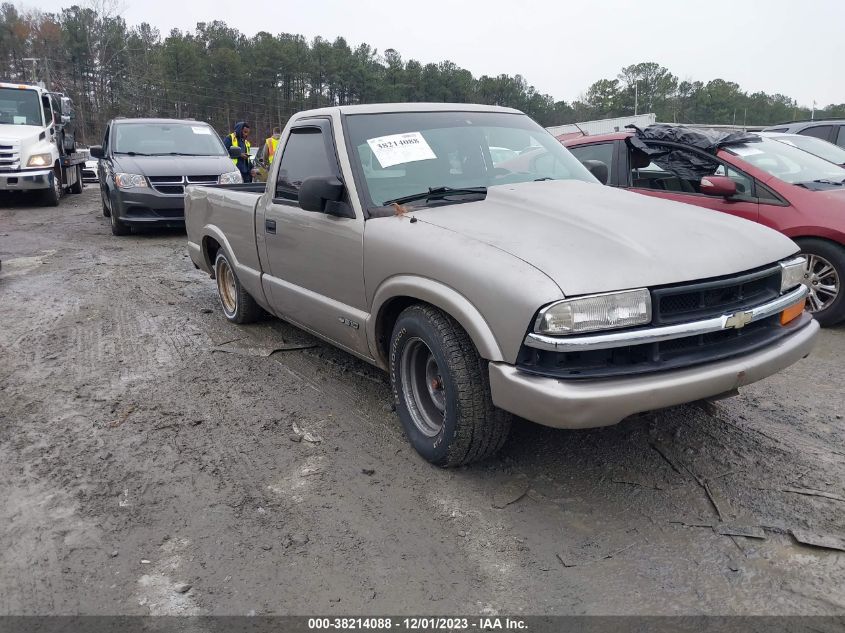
x=792, y=312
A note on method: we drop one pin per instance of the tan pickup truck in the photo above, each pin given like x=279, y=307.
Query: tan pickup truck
x=496, y=283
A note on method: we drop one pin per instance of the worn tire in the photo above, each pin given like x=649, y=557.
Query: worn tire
x=106, y=212
x=52, y=195
x=238, y=305
x=119, y=228
x=835, y=254
x=77, y=186
x=472, y=427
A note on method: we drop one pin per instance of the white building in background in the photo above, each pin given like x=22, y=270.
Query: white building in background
x=603, y=126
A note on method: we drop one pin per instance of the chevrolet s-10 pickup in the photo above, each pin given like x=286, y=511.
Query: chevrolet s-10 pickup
x=465, y=251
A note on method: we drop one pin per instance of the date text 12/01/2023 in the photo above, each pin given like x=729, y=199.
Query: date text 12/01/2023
x=418, y=624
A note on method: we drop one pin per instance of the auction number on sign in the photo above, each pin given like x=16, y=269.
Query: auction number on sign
x=351, y=624
x=397, y=149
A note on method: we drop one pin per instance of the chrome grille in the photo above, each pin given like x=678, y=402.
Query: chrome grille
x=10, y=155
x=175, y=185
x=701, y=300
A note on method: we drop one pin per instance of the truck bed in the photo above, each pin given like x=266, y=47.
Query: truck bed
x=231, y=209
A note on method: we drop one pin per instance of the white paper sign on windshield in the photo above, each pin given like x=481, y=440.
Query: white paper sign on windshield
x=400, y=148
x=201, y=130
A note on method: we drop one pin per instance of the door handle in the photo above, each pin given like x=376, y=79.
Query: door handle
x=270, y=226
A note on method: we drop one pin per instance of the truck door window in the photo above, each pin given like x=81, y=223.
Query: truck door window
x=305, y=155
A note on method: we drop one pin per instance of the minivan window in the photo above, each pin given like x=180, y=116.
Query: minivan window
x=407, y=153
x=187, y=138
x=305, y=155
x=819, y=131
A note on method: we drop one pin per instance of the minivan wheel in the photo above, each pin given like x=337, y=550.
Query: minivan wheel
x=238, y=306
x=442, y=391
x=823, y=276
x=117, y=227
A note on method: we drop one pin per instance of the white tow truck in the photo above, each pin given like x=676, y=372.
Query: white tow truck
x=36, y=142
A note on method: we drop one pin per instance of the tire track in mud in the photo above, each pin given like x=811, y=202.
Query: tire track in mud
x=180, y=447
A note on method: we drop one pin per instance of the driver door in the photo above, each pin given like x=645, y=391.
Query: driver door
x=315, y=260
x=662, y=181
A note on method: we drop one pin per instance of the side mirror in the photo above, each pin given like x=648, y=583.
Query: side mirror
x=324, y=195
x=598, y=169
x=718, y=186
x=66, y=119
x=235, y=152
x=96, y=151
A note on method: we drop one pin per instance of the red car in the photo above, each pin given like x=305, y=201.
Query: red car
x=763, y=180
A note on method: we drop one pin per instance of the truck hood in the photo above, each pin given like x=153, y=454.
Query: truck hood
x=173, y=165
x=19, y=132
x=591, y=238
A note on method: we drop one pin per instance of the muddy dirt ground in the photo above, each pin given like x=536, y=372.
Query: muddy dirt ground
x=146, y=443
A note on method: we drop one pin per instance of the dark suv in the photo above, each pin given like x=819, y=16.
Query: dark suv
x=145, y=165
x=831, y=130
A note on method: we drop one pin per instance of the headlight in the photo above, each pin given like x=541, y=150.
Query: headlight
x=792, y=273
x=39, y=160
x=127, y=181
x=230, y=178
x=596, y=312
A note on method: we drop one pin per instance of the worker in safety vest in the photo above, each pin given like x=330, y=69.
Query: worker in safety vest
x=238, y=138
x=272, y=144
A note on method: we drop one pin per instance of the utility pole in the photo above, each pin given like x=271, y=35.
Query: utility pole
x=34, y=61
x=813, y=113
x=636, y=95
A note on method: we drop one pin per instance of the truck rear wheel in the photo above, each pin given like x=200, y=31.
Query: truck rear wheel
x=53, y=193
x=442, y=390
x=238, y=306
x=77, y=186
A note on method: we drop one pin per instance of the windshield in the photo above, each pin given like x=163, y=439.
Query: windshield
x=406, y=153
x=160, y=139
x=20, y=107
x=817, y=146
x=786, y=162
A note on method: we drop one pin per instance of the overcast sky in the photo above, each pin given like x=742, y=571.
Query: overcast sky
x=795, y=47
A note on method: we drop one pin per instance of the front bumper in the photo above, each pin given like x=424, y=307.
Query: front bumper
x=576, y=404
x=147, y=207
x=25, y=180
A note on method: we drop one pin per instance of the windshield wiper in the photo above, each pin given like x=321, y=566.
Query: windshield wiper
x=827, y=181
x=134, y=153
x=176, y=154
x=437, y=192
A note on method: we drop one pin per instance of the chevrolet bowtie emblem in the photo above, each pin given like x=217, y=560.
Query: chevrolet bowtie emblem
x=738, y=320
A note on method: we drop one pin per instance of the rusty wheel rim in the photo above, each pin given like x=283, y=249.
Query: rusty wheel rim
x=226, y=287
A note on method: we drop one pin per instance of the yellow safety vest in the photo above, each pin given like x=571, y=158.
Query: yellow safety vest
x=272, y=146
x=235, y=144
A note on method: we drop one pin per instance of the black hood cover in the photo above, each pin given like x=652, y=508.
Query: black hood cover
x=687, y=165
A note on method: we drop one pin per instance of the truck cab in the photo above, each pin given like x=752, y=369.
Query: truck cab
x=36, y=142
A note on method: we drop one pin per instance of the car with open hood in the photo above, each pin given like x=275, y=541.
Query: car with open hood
x=758, y=177
x=487, y=291
x=144, y=166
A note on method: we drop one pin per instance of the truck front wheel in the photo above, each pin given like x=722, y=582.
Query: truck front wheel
x=238, y=306
x=53, y=193
x=442, y=391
